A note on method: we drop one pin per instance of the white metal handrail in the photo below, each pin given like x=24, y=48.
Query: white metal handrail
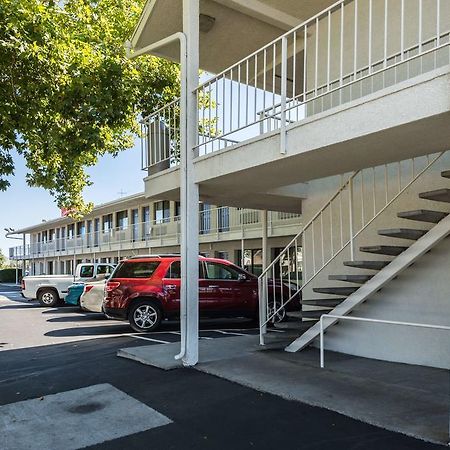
x=346, y=46
x=318, y=248
x=366, y=319
x=213, y=221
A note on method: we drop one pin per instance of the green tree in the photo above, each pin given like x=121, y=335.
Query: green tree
x=68, y=93
x=2, y=260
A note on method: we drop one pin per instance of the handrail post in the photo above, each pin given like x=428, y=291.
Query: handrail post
x=350, y=205
x=283, y=95
x=322, y=361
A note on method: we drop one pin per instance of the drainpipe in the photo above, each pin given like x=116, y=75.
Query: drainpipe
x=189, y=190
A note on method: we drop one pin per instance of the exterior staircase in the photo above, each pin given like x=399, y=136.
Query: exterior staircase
x=341, y=300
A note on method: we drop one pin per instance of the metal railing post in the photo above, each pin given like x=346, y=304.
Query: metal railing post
x=350, y=205
x=283, y=95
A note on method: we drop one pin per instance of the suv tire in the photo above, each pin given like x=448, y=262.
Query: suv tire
x=145, y=316
x=48, y=297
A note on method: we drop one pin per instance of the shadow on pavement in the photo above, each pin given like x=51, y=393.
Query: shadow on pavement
x=63, y=309
x=91, y=331
x=92, y=317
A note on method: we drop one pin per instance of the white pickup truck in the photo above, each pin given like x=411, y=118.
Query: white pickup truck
x=50, y=289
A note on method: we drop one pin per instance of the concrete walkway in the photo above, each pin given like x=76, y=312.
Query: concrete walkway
x=408, y=399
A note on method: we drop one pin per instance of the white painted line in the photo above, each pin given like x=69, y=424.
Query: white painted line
x=206, y=338
x=275, y=331
x=52, y=422
x=159, y=341
x=174, y=332
x=229, y=332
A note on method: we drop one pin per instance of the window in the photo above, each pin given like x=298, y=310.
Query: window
x=252, y=260
x=103, y=269
x=122, y=220
x=70, y=230
x=107, y=223
x=146, y=225
x=162, y=211
x=87, y=271
x=174, y=271
x=205, y=218
x=217, y=271
x=223, y=218
x=177, y=210
x=81, y=229
x=136, y=269
x=135, y=222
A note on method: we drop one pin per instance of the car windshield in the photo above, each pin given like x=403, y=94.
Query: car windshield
x=136, y=269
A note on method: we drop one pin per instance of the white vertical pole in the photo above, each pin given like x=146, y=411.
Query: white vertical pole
x=263, y=303
x=24, y=263
x=189, y=189
x=350, y=199
x=283, y=95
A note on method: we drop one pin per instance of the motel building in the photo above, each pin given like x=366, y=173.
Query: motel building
x=323, y=127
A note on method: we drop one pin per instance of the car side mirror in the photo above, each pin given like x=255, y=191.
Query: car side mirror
x=242, y=277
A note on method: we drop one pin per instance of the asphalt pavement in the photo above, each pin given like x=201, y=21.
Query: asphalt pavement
x=198, y=410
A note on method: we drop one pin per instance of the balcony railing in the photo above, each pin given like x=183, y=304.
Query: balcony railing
x=350, y=50
x=223, y=223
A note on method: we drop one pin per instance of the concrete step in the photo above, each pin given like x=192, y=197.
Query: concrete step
x=371, y=265
x=403, y=233
x=341, y=290
x=423, y=215
x=391, y=250
x=315, y=314
x=445, y=174
x=325, y=302
x=439, y=195
x=360, y=279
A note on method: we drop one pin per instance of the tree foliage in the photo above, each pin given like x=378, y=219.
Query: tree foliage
x=68, y=93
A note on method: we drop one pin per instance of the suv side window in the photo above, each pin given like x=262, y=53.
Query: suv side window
x=174, y=270
x=216, y=271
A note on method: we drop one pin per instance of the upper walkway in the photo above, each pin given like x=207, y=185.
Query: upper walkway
x=361, y=83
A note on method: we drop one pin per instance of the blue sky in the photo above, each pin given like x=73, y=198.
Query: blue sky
x=22, y=205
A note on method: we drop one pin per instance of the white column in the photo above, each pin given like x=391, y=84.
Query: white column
x=265, y=256
x=189, y=190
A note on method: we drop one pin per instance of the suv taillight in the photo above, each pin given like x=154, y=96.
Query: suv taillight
x=88, y=287
x=111, y=285
x=23, y=285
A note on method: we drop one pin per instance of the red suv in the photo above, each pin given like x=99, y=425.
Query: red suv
x=146, y=289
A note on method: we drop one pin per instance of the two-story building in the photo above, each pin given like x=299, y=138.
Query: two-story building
x=134, y=225
x=338, y=110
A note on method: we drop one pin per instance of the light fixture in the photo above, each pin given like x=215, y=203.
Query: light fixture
x=206, y=23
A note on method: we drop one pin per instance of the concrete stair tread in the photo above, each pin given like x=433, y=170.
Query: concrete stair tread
x=340, y=290
x=423, y=215
x=325, y=302
x=403, y=233
x=438, y=195
x=391, y=250
x=361, y=279
x=371, y=265
x=445, y=174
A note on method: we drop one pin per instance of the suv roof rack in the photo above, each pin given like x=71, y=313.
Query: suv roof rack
x=161, y=255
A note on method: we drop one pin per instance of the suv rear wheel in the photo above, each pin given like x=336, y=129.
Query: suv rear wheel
x=145, y=316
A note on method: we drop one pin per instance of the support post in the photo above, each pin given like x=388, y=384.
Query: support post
x=189, y=189
x=263, y=290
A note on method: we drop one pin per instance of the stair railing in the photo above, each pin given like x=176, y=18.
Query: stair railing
x=358, y=201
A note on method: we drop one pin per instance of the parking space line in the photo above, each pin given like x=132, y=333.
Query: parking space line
x=229, y=332
x=275, y=331
x=158, y=341
x=174, y=332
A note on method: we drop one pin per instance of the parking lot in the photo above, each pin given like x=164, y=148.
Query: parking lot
x=57, y=357
x=48, y=326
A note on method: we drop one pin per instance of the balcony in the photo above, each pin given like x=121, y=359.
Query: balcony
x=216, y=224
x=362, y=83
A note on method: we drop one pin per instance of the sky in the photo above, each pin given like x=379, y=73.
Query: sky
x=22, y=205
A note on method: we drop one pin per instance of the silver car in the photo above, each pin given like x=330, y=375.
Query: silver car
x=92, y=297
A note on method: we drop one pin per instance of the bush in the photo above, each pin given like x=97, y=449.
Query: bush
x=9, y=275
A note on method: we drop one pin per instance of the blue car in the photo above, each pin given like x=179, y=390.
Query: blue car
x=74, y=293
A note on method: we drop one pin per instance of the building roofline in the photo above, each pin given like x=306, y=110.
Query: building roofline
x=67, y=220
